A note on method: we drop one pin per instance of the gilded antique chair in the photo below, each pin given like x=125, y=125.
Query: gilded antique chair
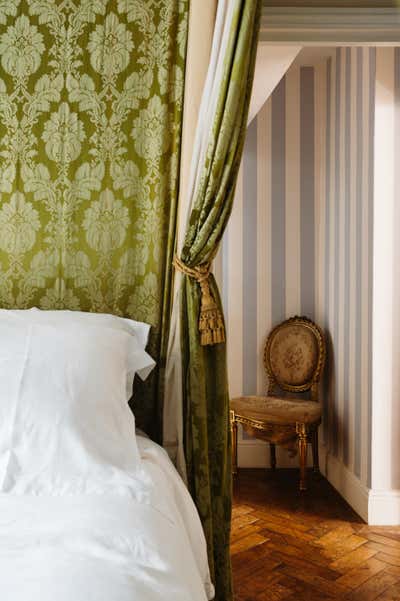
x=294, y=358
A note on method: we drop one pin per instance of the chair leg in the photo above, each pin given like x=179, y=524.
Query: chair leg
x=302, y=442
x=234, y=429
x=314, y=442
x=272, y=454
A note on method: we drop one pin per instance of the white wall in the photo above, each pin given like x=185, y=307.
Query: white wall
x=385, y=449
x=272, y=62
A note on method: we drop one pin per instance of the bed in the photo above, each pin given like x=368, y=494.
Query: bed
x=89, y=508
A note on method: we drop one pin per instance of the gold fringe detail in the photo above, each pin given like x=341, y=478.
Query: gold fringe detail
x=211, y=323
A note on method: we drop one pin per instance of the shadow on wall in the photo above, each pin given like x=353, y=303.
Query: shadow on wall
x=329, y=415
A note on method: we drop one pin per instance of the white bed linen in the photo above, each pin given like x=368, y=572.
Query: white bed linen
x=65, y=423
x=142, y=543
x=63, y=317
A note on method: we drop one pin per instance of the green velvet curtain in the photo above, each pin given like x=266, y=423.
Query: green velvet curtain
x=91, y=96
x=206, y=397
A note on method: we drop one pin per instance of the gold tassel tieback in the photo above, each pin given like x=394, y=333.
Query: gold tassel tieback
x=211, y=323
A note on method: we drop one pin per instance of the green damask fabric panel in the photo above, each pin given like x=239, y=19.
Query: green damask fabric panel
x=206, y=395
x=91, y=96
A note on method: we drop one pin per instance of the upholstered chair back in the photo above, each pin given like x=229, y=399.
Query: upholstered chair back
x=294, y=356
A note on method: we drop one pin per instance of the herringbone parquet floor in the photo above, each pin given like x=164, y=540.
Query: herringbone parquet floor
x=311, y=546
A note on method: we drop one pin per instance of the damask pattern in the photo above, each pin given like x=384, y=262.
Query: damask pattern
x=91, y=98
x=90, y=108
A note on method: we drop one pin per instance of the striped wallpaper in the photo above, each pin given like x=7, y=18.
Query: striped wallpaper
x=344, y=250
x=268, y=252
x=299, y=240
x=267, y=264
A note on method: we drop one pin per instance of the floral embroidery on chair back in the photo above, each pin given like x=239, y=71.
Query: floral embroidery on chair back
x=294, y=355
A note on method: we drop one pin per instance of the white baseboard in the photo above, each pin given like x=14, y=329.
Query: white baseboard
x=376, y=507
x=346, y=483
x=252, y=454
x=384, y=507
x=255, y=453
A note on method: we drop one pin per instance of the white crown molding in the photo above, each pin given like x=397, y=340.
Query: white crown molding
x=332, y=3
x=330, y=26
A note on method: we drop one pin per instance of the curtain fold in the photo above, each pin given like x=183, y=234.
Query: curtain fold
x=218, y=150
x=199, y=45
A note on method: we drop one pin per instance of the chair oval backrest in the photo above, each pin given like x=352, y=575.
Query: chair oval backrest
x=294, y=355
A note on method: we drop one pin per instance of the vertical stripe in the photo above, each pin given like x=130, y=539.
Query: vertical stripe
x=225, y=275
x=352, y=259
x=268, y=209
x=318, y=197
x=307, y=191
x=335, y=421
x=341, y=258
x=292, y=192
x=369, y=84
x=250, y=262
x=319, y=177
x=346, y=265
x=235, y=287
x=332, y=383
x=278, y=213
x=218, y=269
x=320, y=204
x=263, y=237
x=332, y=267
x=371, y=157
x=326, y=399
x=359, y=200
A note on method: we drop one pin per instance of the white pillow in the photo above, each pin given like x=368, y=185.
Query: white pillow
x=60, y=318
x=65, y=424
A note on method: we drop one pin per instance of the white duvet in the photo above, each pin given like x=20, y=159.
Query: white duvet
x=88, y=510
x=144, y=543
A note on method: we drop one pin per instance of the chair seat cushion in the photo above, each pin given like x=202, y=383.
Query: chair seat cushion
x=276, y=410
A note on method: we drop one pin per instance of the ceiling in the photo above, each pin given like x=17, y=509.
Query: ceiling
x=312, y=55
x=333, y=3
x=331, y=22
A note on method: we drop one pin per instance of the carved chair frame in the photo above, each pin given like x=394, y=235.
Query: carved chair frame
x=284, y=433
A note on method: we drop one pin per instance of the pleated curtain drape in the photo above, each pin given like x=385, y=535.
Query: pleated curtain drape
x=199, y=46
x=204, y=386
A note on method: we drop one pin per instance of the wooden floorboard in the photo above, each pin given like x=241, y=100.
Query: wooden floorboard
x=291, y=546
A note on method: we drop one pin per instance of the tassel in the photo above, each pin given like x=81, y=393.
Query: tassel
x=211, y=323
x=211, y=328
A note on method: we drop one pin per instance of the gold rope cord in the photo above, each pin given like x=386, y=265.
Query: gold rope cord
x=211, y=323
